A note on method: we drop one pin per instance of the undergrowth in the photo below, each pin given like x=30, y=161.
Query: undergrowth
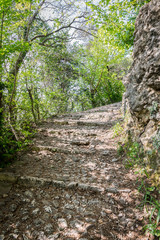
x=9, y=146
x=134, y=158
x=117, y=129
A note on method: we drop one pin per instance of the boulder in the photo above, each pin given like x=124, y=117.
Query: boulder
x=142, y=96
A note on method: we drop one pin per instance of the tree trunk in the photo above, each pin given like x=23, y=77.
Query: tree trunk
x=1, y=64
x=32, y=105
x=37, y=103
x=1, y=108
x=93, y=101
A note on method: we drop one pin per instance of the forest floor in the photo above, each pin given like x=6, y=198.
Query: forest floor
x=71, y=184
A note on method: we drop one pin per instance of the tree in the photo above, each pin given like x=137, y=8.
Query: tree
x=24, y=24
x=98, y=77
x=118, y=18
x=34, y=26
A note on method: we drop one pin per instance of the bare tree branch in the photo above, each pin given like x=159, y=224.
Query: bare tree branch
x=26, y=33
x=82, y=30
x=61, y=28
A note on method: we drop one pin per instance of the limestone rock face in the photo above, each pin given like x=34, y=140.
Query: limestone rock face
x=143, y=80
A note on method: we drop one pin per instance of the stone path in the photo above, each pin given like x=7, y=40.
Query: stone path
x=71, y=184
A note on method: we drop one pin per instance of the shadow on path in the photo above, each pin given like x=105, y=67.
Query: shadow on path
x=71, y=184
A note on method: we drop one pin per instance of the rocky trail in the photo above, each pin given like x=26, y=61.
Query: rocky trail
x=71, y=184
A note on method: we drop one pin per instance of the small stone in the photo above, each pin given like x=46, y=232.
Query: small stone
x=54, y=236
x=108, y=211
x=75, y=159
x=56, y=216
x=55, y=203
x=25, y=218
x=35, y=211
x=28, y=194
x=38, y=222
x=25, y=238
x=72, y=185
x=68, y=196
x=130, y=224
x=69, y=216
x=15, y=236
x=41, y=235
x=94, y=202
x=124, y=223
x=120, y=215
x=13, y=207
x=90, y=220
x=95, y=189
x=105, y=153
x=122, y=201
x=62, y=223
x=80, y=142
x=65, y=177
x=125, y=190
x=24, y=211
x=76, y=224
x=26, y=200
x=111, y=190
x=45, y=217
x=45, y=202
x=5, y=195
x=114, y=160
x=49, y=229
x=33, y=202
x=111, y=201
x=103, y=214
x=69, y=206
x=57, y=198
x=91, y=214
x=83, y=186
x=48, y=209
x=76, y=202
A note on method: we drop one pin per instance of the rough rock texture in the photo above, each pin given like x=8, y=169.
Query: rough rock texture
x=71, y=184
x=142, y=83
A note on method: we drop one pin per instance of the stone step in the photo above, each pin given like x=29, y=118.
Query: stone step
x=95, y=124
x=42, y=182
x=64, y=150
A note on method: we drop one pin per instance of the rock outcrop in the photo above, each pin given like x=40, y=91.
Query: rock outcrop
x=142, y=83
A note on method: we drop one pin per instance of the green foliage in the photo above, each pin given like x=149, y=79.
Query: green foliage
x=153, y=109
x=133, y=152
x=152, y=205
x=134, y=158
x=45, y=74
x=152, y=228
x=156, y=142
x=153, y=155
x=117, y=131
x=118, y=19
x=102, y=70
x=9, y=146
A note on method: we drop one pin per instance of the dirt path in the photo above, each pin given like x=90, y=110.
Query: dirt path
x=71, y=184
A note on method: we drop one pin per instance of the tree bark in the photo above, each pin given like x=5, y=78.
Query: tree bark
x=1, y=63
x=32, y=105
x=15, y=68
x=36, y=103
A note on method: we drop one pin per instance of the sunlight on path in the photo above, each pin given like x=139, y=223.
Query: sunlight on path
x=71, y=184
